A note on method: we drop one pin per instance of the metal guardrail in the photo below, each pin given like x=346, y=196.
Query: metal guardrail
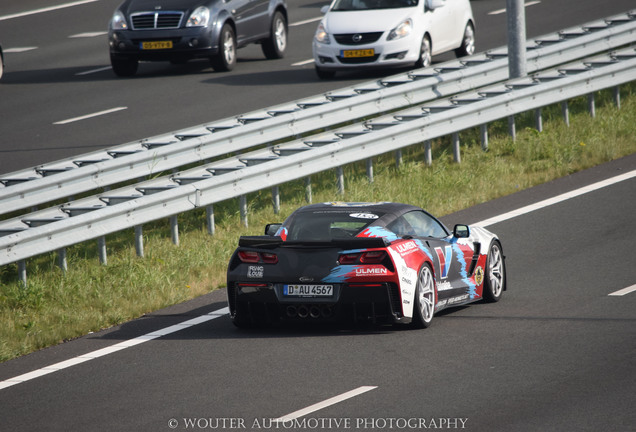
x=91, y=171
x=167, y=196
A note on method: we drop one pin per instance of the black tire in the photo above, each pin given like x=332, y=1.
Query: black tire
x=274, y=47
x=124, y=67
x=426, y=53
x=424, y=305
x=325, y=74
x=468, y=42
x=495, y=277
x=225, y=60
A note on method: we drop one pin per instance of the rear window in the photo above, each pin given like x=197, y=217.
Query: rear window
x=330, y=225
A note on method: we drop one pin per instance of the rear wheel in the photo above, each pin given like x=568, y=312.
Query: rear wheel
x=495, y=282
x=424, y=298
x=124, y=67
x=225, y=60
x=274, y=47
x=468, y=42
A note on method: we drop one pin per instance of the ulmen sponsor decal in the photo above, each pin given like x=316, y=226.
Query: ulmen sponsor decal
x=406, y=248
x=371, y=271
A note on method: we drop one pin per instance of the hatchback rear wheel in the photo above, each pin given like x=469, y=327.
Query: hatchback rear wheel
x=468, y=42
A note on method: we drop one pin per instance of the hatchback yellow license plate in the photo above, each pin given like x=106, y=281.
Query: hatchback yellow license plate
x=156, y=45
x=358, y=53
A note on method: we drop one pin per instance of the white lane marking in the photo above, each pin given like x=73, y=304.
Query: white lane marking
x=320, y=405
x=501, y=11
x=624, y=291
x=113, y=348
x=557, y=199
x=92, y=71
x=46, y=9
x=88, y=34
x=299, y=23
x=302, y=63
x=90, y=115
x=18, y=49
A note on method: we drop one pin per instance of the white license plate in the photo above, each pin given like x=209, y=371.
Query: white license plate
x=307, y=290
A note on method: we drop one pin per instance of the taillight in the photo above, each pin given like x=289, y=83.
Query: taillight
x=253, y=257
x=269, y=258
x=248, y=256
x=370, y=257
x=348, y=258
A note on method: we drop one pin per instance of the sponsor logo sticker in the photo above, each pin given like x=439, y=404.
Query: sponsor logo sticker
x=479, y=275
x=371, y=271
x=255, y=272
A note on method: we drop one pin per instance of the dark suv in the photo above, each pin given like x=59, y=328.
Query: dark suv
x=180, y=30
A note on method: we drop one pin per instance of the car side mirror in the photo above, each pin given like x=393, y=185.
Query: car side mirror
x=461, y=231
x=272, y=229
x=324, y=9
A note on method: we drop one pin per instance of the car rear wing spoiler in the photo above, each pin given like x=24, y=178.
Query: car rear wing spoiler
x=270, y=242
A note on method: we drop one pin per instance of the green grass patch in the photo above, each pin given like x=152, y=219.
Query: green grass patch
x=55, y=307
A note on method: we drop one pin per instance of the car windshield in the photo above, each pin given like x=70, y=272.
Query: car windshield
x=353, y=5
x=329, y=225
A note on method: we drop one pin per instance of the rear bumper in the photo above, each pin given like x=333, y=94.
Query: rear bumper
x=376, y=303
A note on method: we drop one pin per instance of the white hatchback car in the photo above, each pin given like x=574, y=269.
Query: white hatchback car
x=357, y=34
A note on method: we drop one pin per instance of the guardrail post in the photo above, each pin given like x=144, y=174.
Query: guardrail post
x=483, y=136
x=308, y=196
x=174, y=230
x=456, y=151
x=243, y=209
x=591, y=106
x=340, y=175
x=538, y=120
x=61, y=260
x=512, y=130
x=566, y=112
x=276, y=199
x=101, y=250
x=370, y=170
x=398, y=158
x=428, y=153
x=209, y=217
x=22, y=273
x=617, y=97
x=139, y=241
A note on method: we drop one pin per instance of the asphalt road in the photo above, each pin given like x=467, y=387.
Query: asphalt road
x=57, y=68
x=555, y=354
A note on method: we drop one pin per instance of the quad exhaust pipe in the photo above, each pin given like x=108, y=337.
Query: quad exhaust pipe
x=309, y=311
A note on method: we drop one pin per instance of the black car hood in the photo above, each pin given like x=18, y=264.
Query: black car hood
x=132, y=6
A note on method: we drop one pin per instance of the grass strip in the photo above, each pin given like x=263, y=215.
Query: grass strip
x=55, y=307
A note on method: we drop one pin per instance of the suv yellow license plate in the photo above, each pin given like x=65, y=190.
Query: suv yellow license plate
x=156, y=45
x=308, y=290
x=358, y=53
